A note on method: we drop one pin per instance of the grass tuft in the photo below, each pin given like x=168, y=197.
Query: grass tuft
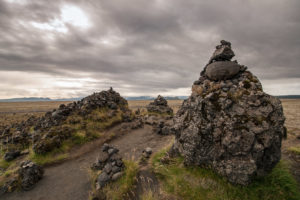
x=295, y=150
x=52, y=157
x=198, y=183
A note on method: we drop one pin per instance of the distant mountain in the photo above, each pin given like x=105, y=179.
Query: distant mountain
x=28, y=99
x=34, y=99
x=152, y=98
x=25, y=99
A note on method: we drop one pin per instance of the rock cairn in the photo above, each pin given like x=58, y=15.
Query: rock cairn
x=111, y=164
x=47, y=132
x=160, y=105
x=228, y=123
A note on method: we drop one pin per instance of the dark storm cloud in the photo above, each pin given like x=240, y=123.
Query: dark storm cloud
x=147, y=47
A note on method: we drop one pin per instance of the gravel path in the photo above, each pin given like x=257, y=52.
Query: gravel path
x=70, y=180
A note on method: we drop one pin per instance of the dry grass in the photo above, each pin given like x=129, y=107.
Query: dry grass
x=15, y=112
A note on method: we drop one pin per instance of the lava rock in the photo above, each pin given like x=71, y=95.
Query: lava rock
x=160, y=105
x=9, y=156
x=111, y=164
x=230, y=126
x=30, y=174
x=223, y=52
x=222, y=70
x=147, y=152
x=116, y=176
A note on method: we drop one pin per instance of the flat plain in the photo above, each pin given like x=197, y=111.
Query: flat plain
x=17, y=111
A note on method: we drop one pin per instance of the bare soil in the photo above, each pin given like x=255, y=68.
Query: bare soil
x=70, y=179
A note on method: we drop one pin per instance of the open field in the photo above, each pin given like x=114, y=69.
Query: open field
x=18, y=111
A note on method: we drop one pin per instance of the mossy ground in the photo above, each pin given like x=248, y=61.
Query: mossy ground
x=120, y=188
x=198, y=183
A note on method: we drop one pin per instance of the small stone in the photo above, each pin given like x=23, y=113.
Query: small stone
x=116, y=176
x=112, y=151
x=9, y=156
x=102, y=179
x=107, y=168
x=105, y=147
x=115, y=169
x=148, y=150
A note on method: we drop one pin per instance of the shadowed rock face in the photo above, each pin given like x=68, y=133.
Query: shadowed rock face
x=231, y=126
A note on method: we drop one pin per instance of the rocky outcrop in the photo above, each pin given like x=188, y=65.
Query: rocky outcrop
x=228, y=123
x=160, y=105
x=111, y=164
x=48, y=132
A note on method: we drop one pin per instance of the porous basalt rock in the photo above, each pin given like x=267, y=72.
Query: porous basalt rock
x=160, y=105
x=230, y=126
x=29, y=174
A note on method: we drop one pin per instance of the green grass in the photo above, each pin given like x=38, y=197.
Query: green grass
x=198, y=183
x=120, y=188
x=55, y=156
x=148, y=196
x=4, y=164
x=295, y=150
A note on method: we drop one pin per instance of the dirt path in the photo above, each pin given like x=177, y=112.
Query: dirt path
x=70, y=180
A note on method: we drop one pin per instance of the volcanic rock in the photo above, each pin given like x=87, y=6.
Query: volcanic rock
x=11, y=155
x=30, y=174
x=111, y=164
x=230, y=126
x=49, y=131
x=160, y=105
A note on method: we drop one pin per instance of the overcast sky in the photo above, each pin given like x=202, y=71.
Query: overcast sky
x=61, y=48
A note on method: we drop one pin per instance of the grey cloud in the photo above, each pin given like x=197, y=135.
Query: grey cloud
x=159, y=45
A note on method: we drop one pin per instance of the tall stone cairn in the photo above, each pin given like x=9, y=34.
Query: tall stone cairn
x=228, y=123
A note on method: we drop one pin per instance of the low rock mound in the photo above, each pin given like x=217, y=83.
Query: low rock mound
x=48, y=132
x=160, y=105
x=228, y=123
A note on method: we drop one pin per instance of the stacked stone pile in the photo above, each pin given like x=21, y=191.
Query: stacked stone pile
x=111, y=164
x=160, y=105
x=42, y=131
x=228, y=123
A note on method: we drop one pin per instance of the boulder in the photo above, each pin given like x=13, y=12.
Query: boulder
x=230, y=126
x=222, y=70
x=29, y=174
